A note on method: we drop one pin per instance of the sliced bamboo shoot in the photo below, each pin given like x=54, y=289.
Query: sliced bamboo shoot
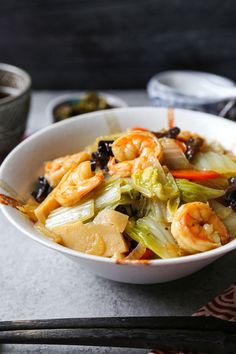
x=100, y=240
x=109, y=216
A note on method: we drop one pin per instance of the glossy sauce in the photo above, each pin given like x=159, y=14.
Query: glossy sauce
x=6, y=200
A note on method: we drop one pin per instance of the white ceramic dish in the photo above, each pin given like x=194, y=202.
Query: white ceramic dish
x=113, y=100
x=24, y=164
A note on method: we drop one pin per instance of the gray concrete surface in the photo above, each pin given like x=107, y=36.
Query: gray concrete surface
x=36, y=282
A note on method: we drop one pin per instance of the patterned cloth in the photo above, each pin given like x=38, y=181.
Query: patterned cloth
x=222, y=306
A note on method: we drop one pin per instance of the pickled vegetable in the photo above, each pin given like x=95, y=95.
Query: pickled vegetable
x=90, y=102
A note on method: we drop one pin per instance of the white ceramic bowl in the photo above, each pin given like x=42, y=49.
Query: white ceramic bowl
x=113, y=100
x=24, y=164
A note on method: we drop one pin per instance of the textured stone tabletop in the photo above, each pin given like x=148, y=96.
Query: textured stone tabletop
x=36, y=282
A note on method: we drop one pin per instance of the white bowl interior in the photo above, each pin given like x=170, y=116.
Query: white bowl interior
x=25, y=163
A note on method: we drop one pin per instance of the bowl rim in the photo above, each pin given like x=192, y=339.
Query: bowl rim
x=21, y=72
x=217, y=252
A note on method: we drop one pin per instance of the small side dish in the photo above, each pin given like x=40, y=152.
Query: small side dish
x=90, y=102
x=138, y=195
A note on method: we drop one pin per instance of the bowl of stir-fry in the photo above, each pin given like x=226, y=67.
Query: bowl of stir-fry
x=138, y=195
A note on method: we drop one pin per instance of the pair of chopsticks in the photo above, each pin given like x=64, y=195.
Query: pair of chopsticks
x=196, y=334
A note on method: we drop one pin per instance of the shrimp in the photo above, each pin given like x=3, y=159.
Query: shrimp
x=77, y=183
x=197, y=228
x=134, y=150
x=122, y=169
x=56, y=169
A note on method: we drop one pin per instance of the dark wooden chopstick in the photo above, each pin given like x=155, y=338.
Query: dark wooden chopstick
x=194, y=334
x=161, y=322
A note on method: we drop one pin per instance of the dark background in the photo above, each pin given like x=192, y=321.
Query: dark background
x=111, y=44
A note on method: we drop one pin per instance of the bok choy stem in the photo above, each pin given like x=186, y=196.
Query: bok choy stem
x=155, y=236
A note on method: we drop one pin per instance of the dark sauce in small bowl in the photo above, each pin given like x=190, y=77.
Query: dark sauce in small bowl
x=4, y=94
x=7, y=92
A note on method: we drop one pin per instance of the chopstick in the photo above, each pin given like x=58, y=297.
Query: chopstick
x=196, y=334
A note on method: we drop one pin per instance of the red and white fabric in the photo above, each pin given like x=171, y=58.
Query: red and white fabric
x=222, y=306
